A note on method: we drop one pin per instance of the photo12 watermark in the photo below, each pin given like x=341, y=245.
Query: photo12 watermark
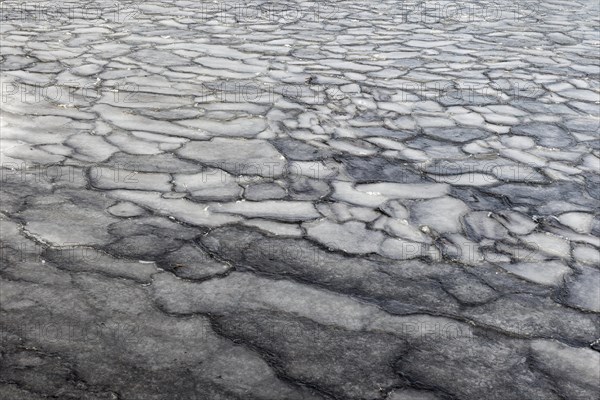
x=459, y=93
x=268, y=92
x=67, y=93
x=267, y=12
x=57, y=12
x=451, y=12
x=22, y=172
x=61, y=330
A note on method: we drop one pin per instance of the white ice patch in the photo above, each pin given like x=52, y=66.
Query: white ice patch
x=442, y=214
x=269, y=209
x=405, y=190
x=544, y=273
x=351, y=237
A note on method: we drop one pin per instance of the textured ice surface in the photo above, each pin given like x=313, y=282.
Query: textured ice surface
x=300, y=201
x=545, y=273
x=237, y=156
x=442, y=214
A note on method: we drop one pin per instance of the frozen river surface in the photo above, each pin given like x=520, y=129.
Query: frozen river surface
x=299, y=200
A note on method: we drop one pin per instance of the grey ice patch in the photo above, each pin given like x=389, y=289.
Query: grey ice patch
x=237, y=156
x=352, y=237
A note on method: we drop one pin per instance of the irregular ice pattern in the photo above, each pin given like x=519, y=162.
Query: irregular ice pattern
x=301, y=200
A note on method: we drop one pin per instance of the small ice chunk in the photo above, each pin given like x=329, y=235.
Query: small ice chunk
x=586, y=255
x=90, y=148
x=133, y=145
x=237, y=156
x=274, y=227
x=351, y=237
x=241, y=127
x=548, y=244
x=442, y=214
x=411, y=394
x=344, y=191
x=515, y=222
x=264, y=191
x=583, y=289
x=579, y=222
x=208, y=179
x=269, y=209
x=468, y=179
x=126, y=209
x=402, y=229
x=575, y=370
x=182, y=209
x=406, y=190
x=395, y=209
x=400, y=249
x=544, y=273
x=481, y=225
x=518, y=142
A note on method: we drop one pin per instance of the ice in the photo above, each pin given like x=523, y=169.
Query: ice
x=406, y=209
x=345, y=191
x=155, y=137
x=90, y=148
x=13, y=152
x=404, y=191
x=481, y=225
x=131, y=180
x=518, y=173
x=349, y=65
x=469, y=119
x=264, y=191
x=544, y=273
x=132, y=145
x=87, y=70
x=126, y=209
x=184, y=210
x=471, y=179
x=515, y=222
x=240, y=127
x=442, y=214
x=576, y=369
x=274, y=227
x=157, y=57
x=410, y=394
x=499, y=119
x=66, y=224
x=518, y=142
x=523, y=157
x=433, y=122
x=458, y=248
x=79, y=259
x=129, y=121
x=578, y=94
x=548, y=244
x=586, y=255
x=395, y=209
x=356, y=148
x=579, y=222
x=270, y=209
x=191, y=262
x=583, y=289
x=457, y=135
x=429, y=43
x=544, y=134
x=237, y=156
x=402, y=229
x=211, y=183
x=352, y=237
